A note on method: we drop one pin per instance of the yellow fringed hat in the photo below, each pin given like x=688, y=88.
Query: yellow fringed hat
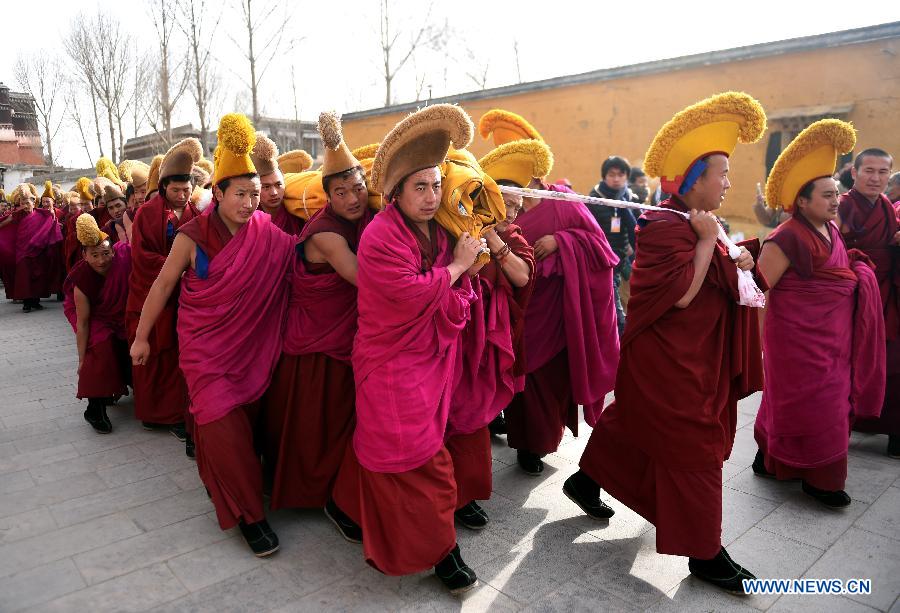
x=206, y=165
x=714, y=125
x=810, y=156
x=518, y=161
x=366, y=152
x=303, y=193
x=420, y=140
x=294, y=161
x=180, y=158
x=504, y=127
x=84, y=187
x=264, y=155
x=107, y=169
x=338, y=156
x=87, y=231
x=153, y=174
x=48, y=190
x=232, y=155
x=20, y=189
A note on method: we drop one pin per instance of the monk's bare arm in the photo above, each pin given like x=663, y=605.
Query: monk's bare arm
x=773, y=263
x=515, y=268
x=334, y=249
x=707, y=229
x=178, y=261
x=6, y=221
x=82, y=324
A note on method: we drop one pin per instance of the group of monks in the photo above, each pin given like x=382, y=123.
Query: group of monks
x=347, y=337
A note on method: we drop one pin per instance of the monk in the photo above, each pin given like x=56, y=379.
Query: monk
x=116, y=206
x=868, y=222
x=310, y=406
x=95, y=294
x=81, y=200
x=659, y=448
x=36, y=248
x=414, y=299
x=570, y=339
x=491, y=367
x=232, y=303
x=160, y=393
x=823, y=320
x=271, y=198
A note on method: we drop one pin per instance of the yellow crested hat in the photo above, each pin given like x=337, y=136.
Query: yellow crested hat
x=232, y=155
x=303, y=193
x=518, y=161
x=153, y=173
x=84, y=187
x=294, y=161
x=264, y=155
x=810, y=156
x=48, y=190
x=714, y=125
x=87, y=231
x=107, y=169
x=134, y=172
x=180, y=158
x=338, y=156
x=504, y=127
x=206, y=165
x=420, y=140
x=366, y=152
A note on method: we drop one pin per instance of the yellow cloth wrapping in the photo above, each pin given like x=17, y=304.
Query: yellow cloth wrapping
x=304, y=194
x=470, y=199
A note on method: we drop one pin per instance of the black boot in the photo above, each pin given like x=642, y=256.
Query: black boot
x=721, y=571
x=585, y=492
x=346, y=526
x=498, y=425
x=759, y=466
x=529, y=462
x=95, y=414
x=262, y=540
x=189, y=448
x=893, y=447
x=832, y=500
x=455, y=574
x=472, y=516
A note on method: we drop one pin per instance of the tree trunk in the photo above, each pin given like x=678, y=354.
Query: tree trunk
x=253, y=84
x=96, y=120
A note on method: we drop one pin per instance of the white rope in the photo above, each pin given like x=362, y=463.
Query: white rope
x=750, y=293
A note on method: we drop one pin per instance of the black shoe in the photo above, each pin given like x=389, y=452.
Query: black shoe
x=722, y=572
x=498, y=425
x=455, y=574
x=472, y=516
x=893, y=448
x=581, y=489
x=37, y=306
x=832, y=500
x=60, y=297
x=759, y=466
x=189, y=449
x=179, y=431
x=95, y=414
x=346, y=526
x=260, y=537
x=26, y=308
x=530, y=463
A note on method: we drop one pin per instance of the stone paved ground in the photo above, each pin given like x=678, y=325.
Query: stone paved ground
x=121, y=523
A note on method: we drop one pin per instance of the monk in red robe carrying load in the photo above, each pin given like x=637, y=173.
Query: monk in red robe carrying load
x=660, y=446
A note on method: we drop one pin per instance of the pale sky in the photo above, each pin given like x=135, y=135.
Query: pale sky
x=337, y=59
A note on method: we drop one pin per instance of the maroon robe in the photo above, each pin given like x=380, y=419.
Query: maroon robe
x=115, y=229
x=284, y=221
x=37, y=273
x=660, y=446
x=310, y=406
x=160, y=393
x=8, y=253
x=871, y=228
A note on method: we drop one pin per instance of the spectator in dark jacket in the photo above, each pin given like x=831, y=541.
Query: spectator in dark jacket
x=617, y=224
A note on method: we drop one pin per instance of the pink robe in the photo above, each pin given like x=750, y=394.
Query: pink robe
x=37, y=262
x=823, y=352
x=234, y=318
x=410, y=322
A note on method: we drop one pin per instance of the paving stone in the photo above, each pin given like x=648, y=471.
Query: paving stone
x=15, y=482
x=803, y=519
x=39, y=585
x=38, y=457
x=176, y=508
x=23, y=525
x=214, y=563
x=883, y=516
x=50, y=493
x=254, y=591
x=113, y=500
x=93, y=462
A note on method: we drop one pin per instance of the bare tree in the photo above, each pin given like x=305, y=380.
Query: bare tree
x=198, y=32
x=516, y=53
x=263, y=20
x=394, y=57
x=172, y=75
x=475, y=70
x=99, y=49
x=41, y=76
x=73, y=104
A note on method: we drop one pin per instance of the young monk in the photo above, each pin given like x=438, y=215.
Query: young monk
x=116, y=206
x=81, y=200
x=37, y=238
x=869, y=222
x=491, y=367
x=660, y=446
x=95, y=294
x=824, y=332
x=234, y=293
x=160, y=394
x=271, y=199
x=571, y=343
x=414, y=295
